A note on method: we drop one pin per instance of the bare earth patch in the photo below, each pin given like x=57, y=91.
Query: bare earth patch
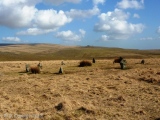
x=99, y=92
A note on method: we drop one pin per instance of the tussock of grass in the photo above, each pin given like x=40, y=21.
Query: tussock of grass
x=85, y=63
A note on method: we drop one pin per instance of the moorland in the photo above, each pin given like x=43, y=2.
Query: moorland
x=99, y=92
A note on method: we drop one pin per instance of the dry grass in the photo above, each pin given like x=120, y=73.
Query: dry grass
x=30, y=52
x=85, y=63
x=100, y=92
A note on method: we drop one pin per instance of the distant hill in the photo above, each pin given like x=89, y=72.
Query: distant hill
x=15, y=52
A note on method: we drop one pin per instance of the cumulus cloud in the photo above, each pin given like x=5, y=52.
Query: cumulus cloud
x=158, y=30
x=116, y=26
x=17, y=13
x=136, y=16
x=11, y=39
x=96, y=2
x=35, y=31
x=73, y=13
x=70, y=36
x=82, y=32
x=104, y=38
x=135, y=4
x=58, y=2
x=147, y=38
x=12, y=3
x=23, y=13
x=50, y=19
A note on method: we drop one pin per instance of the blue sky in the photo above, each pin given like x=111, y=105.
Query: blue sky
x=131, y=24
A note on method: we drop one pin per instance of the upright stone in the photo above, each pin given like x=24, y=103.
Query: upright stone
x=94, y=61
x=27, y=67
x=61, y=70
x=123, y=64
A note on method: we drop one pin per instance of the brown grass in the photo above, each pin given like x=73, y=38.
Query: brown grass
x=100, y=92
x=38, y=52
x=35, y=70
x=85, y=63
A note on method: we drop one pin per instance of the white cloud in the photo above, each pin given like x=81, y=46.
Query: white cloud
x=96, y=2
x=11, y=39
x=12, y=3
x=58, y=2
x=73, y=13
x=51, y=19
x=35, y=31
x=148, y=38
x=158, y=31
x=70, y=36
x=136, y=16
x=135, y=4
x=116, y=26
x=104, y=38
x=82, y=32
x=17, y=13
x=22, y=13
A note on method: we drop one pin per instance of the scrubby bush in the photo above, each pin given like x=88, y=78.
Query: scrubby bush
x=85, y=63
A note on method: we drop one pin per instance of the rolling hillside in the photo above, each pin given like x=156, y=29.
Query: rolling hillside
x=17, y=52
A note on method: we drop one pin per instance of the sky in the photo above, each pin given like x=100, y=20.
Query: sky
x=130, y=24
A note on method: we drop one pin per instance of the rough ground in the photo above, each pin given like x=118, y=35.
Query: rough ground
x=100, y=92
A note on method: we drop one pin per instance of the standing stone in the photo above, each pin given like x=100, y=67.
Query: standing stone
x=123, y=64
x=27, y=67
x=94, y=61
x=61, y=70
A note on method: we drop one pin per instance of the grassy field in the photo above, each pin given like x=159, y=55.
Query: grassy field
x=57, y=52
x=99, y=92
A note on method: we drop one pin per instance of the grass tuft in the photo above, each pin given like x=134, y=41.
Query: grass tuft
x=85, y=63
